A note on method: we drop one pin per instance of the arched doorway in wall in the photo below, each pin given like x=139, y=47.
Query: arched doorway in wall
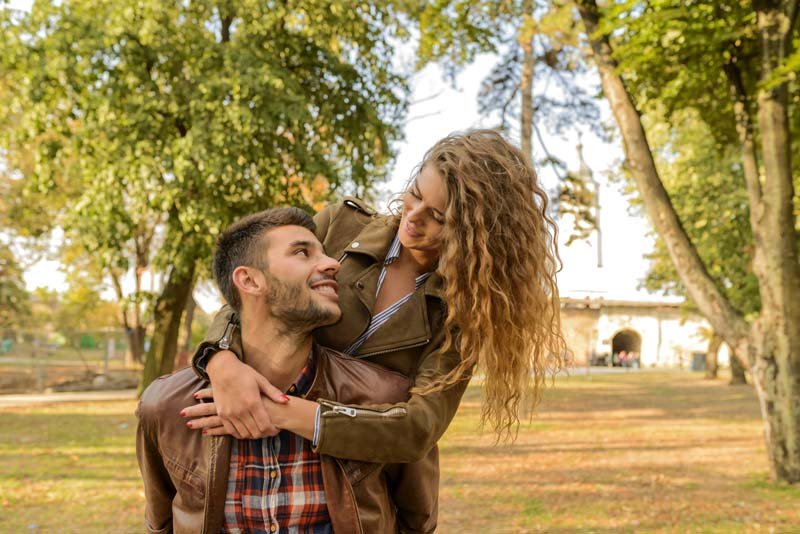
x=626, y=348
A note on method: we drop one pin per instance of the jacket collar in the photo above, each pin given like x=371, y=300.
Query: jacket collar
x=375, y=240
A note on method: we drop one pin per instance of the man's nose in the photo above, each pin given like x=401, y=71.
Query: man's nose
x=329, y=266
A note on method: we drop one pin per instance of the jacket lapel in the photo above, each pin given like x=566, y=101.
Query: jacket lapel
x=219, y=463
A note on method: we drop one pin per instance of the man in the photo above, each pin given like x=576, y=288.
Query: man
x=270, y=268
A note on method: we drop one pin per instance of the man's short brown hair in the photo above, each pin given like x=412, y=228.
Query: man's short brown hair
x=239, y=245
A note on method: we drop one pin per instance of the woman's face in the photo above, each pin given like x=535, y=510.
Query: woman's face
x=424, y=204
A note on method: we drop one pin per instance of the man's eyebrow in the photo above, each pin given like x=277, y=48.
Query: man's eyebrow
x=304, y=243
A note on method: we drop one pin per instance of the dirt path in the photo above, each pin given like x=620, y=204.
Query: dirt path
x=10, y=401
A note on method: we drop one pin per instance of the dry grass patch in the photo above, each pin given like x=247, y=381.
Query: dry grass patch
x=638, y=452
x=655, y=452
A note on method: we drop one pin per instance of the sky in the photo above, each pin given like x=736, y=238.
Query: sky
x=440, y=108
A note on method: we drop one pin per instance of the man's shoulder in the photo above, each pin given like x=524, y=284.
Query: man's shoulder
x=357, y=381
x=170, y=393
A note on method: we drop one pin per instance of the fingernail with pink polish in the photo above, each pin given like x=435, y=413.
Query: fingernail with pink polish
x=189, y=424
x=183, y=413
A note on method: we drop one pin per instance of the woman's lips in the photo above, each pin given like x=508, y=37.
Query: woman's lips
x=411, y=232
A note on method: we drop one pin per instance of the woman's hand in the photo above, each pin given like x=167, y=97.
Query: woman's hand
x=237, y=390
x=203, y=416
x=298, y=416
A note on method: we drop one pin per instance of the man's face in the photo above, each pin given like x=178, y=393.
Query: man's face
x=302, y=290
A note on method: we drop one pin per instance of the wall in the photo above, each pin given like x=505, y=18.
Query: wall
x=669, y=336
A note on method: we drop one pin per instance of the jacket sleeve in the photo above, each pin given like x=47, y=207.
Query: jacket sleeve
x=158, y=488
x=220, y=327
x=392, y=433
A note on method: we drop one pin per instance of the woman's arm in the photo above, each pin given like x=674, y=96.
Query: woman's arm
x=390, y=433
x=298, y=415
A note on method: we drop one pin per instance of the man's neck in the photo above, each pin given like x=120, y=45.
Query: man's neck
x=279, y=356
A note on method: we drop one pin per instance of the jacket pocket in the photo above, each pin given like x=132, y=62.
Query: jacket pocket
x=357, y=471
x=189, y=485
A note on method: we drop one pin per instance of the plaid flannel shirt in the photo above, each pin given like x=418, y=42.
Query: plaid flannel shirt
x=275, y=483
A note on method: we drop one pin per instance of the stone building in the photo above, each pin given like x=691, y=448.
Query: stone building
x=662, y=334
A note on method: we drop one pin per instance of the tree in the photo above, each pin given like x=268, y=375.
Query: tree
x=14, y=305
x=697, y=49
x=160, y=123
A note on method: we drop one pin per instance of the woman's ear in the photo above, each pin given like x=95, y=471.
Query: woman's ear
x=249, y=280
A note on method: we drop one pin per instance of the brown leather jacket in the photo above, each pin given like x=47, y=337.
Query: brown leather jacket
x=186, y=474
x=408, y=343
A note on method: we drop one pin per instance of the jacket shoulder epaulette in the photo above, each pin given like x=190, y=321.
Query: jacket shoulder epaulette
x=359, y=205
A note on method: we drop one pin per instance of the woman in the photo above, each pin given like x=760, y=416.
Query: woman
x=464, y=276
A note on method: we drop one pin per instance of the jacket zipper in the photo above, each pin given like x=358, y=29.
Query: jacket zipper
x=225, y=340
x=378, y=353
x=363, y=412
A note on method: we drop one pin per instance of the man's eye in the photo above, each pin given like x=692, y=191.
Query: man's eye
x=303, y=251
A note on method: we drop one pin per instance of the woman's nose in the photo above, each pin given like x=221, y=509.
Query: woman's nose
x=415, y=214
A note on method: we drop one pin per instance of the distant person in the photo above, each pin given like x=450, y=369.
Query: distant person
x=272, y=270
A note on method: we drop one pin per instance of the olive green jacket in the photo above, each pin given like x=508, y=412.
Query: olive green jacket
x=408, y=342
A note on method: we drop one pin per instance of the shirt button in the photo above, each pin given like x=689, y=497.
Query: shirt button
x=360, y=285
x=273, y=474
x=355, y=244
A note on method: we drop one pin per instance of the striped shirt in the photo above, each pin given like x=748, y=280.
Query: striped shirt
x=380, y=318
x=275, y=483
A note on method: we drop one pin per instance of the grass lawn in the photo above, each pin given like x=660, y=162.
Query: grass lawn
x=655, y=452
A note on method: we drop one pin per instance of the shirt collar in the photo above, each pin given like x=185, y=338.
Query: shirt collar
x=394, y=251
x=306, y=377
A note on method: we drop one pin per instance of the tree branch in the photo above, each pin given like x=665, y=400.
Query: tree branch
x=744, y=128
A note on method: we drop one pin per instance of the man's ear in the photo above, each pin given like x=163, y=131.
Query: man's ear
x=249, y=280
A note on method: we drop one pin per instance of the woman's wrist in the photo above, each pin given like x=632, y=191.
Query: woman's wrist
x=298, y=415
x=221, y=359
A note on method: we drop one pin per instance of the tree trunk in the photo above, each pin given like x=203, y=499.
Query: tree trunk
x=185, y=342
x=191, y=305
x=169, y=309
x=776, y=333
x=711, y=357
x=772, y=345
x=737, y=371
x=526, y=84
x=134, y=334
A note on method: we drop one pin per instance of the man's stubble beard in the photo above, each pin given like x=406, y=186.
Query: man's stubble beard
x=296, y=317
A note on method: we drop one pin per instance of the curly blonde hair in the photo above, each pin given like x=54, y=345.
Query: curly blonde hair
x=498, y=260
